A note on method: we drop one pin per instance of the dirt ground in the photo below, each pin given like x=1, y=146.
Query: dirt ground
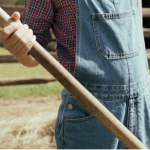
x=28, y=123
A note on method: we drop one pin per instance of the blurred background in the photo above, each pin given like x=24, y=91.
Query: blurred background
x=30, y=97
x=12, y=2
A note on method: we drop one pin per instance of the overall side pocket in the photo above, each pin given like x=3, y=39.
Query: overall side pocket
x=83, y=131
x=116, y=34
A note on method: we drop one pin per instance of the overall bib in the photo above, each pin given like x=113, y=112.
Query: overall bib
x=111, y=63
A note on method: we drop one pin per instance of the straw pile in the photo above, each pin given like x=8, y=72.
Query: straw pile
x=28, y=124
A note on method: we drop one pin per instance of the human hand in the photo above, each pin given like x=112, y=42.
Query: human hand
x=18, y=39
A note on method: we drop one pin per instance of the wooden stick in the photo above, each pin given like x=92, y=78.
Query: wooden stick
x=78, y=91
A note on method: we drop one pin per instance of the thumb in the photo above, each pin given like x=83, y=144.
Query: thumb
x=15, y=16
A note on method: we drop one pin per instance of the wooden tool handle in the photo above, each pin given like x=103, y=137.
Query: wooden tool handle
x=78, y=91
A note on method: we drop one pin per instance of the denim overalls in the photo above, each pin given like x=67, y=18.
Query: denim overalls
x=111, y=63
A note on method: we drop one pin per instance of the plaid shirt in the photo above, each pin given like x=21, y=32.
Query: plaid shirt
x=60, y=15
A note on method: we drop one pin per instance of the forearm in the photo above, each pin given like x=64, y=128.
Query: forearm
x=28, y=61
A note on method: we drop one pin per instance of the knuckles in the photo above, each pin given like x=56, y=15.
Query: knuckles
x=28, y=46
x=5, y=32
x=23, y=36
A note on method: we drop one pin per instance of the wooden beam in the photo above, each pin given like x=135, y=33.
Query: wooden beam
x=7, y=59
x=51, y=47
x=11, y=59
x=146, y=32
x=25, y=81
x=148, y=56
x=148, y=53
x=146, y=12
x=12, y=8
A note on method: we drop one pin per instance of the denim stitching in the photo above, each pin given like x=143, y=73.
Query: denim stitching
x=113, y=15
x=127, y=96
x=78, y=120
x=121, y=92
x=123, y=87
x=67, y=97
x=129, y=74
x=76, y=69
x=138, y=35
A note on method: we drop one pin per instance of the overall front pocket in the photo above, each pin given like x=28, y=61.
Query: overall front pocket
x=116, y=34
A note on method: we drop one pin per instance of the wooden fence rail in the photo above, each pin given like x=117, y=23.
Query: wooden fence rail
x=23, y=81
x=11, y=59
x=7, y=59
x=147, y=32
x=146, y=12
x=13, y=8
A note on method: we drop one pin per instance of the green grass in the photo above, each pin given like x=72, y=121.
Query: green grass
x=16, y=70
x=41, y=90
x=3, y=51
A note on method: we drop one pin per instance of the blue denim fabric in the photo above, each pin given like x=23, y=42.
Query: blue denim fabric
x=111, y=63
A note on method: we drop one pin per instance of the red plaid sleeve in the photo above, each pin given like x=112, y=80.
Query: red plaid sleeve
x=38, y=15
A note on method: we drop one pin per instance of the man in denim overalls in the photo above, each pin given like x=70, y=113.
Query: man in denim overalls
x=110, y=61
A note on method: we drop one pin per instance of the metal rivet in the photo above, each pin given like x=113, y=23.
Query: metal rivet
x=70, y=106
